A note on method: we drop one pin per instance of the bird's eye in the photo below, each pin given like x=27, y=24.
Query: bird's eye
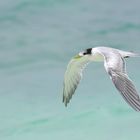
x=84, y=53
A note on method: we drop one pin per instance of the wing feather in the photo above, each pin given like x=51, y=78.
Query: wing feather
x=73, y=76
x=126, y=88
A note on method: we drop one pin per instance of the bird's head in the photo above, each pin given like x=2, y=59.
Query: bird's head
x=84, y=53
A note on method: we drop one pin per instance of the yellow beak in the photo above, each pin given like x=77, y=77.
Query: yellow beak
x=77, y=56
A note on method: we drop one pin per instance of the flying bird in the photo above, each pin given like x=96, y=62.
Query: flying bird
x=114, y=63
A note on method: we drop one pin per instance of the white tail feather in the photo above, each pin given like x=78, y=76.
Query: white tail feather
x=128, y=54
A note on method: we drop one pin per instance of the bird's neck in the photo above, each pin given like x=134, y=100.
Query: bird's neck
x=97, y=57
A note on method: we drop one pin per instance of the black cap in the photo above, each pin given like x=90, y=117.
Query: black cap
x=87, y=51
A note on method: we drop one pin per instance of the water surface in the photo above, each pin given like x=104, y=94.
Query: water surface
x=37, y=39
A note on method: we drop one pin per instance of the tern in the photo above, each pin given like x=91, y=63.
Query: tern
x=114, y=63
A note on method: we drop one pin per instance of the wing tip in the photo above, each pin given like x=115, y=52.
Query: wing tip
x=65, y=101
x=67, y=96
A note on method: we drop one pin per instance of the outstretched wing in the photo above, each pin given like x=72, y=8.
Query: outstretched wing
x=126, y=88
x=73, y=76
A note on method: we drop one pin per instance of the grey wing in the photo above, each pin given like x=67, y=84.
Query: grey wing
x=126, y=88
x=73, y=76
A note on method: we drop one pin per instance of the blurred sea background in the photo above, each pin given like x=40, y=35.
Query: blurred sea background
x=37, y=40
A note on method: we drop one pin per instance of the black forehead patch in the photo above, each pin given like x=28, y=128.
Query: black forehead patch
x=88, y=51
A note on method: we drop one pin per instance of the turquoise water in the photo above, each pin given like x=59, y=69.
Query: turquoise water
x=37, y=40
